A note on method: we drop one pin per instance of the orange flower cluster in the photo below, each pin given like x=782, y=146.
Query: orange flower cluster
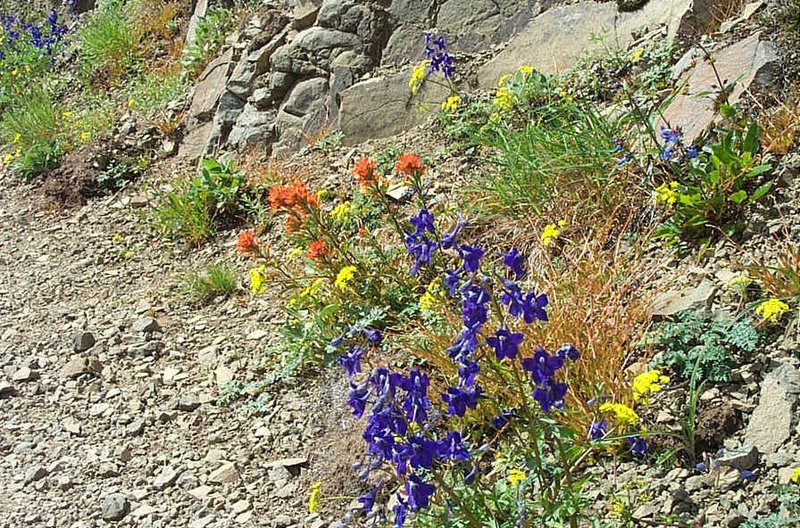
x=246, y=242
x=291, y=196
x=317, y=249
x=366, y=170
x=410, y=164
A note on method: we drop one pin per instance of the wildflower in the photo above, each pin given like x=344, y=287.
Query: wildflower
x=627, y=158
x=450, y=238
x=467, y=372
x=666, y=193
x=368, y=500
x=638, y=445
x=117, y=239
x=317, y=250
x=525, y=70
x=515, y=262
x=452, y=447
x=458, y=400
x=418, y=493
x=295, y=195
x=312, y=289
x=622, y=413
x=17, y=138
x=246, y=242
x=351, y=361
x=314, y=498
x=503, y=99
x=796, y=476
x=670, y=135
x=450, y=105
x=258, y=277
x=417, y=242
x=131, y=103
x=440, y=60
x=692, y=152
x=427, y=301
x=418, y=75
x=366, y=169
x=772, y=310
x=550, y=395
x=373, y=336
x=85, y=136
x=597, y=430
x=505, y=343
x=636, y=55
x=341, y=213
x=451, y=279
x=8, y=158
x=345, y=275
x=740, y=284
x=416, y=403
x=568, y=351
x=296, y=252
x=399, y=510
x=542, y=365
x=550, y=233
x=410, y=164
x=66, y=114
x=503, y=418
x=747, y=475
x=471, y=255
x=515, y=476
x=647, y=383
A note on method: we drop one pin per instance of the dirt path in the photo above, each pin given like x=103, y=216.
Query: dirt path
x=131, y=428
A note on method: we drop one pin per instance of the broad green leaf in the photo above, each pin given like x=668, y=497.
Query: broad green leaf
x=738, y=197
x=761, y=191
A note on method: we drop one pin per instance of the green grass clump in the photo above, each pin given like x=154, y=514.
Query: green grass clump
x=216, y=280
x=107, y=43
x=209, y=37
x=32, y=127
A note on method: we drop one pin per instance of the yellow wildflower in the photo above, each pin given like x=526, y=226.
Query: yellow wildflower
x=418, y=76
x=117, y=239
x=739, y=284
x=772, y=310
x=312, y=289
x=427, y=301
x=128, y=254
x=17, y=138
x=503, y=99
x=450, y=105
x=551, y=232
x=14, y=72
x=796, y=476
x=525, y=70
x=515, y=476
x=623, y=414
x=8, y=158
x=296, y=252
x=666, y=193
x=341, y=213
x=345, y=275
x=503, y=81
x=131, y=103
x=86, y=136
x=258, y=278
x=66, y=113
x=647, y=383
x=636, y=55
x=315, y=498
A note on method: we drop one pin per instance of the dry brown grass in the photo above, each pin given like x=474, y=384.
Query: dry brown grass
x=782, y=278
x=779, y=126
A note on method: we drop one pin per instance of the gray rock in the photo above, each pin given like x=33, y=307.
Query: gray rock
x=6, y=389
x=745, y=457
x=225, y=474
x=694, y=483
x=165, y=478
x=253, y=65
x=25, y=374
x=78, y=366
x=35, y=473
x=146, y=324
x=82, y=341
x=115, y=507
x=384, y=107
x=552, y=41
x=473, y=25
x=304, y=14
x=188, y=402
x=306, y=97
x=252, y=126
x=135, y=428
x=671, y=302
x=210, y=86
x=749, y=62
x=772, y=420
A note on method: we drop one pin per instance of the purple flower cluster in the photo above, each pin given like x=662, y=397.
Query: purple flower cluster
x=43, y=37
x=399, y=432
x=436, y=52
x=672, y=139
x=542, y=367
x=419, y=242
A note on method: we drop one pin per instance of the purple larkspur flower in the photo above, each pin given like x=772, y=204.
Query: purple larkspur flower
x=505, y=343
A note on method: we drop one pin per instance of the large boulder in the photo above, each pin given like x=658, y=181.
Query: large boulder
x=772, y=421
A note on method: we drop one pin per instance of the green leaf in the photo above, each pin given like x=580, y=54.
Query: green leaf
x=751, y=140
x=760, y=169
x=738, y=197
x=761, y=191
x=727, y=111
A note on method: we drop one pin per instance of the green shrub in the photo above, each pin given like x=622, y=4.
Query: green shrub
x=107, y=43
x=697, y=344
x=214, y=281
x=199, y=206
x=209, y=37
x=32, y=129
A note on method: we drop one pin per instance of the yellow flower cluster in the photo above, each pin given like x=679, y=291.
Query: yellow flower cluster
x=551, y=232
x=648, y=383
x=258, y=279
x=450, y=105
x=344, y=277
x=623, y=414
x=341, y=213
x=666, y=193
x=315, y=498
x=418, y=76
x=740, y=284
x=9, y=157
x=433, y=294
x=516, y=476
x=796, y=476
x=503, y=99
x=772, y=310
